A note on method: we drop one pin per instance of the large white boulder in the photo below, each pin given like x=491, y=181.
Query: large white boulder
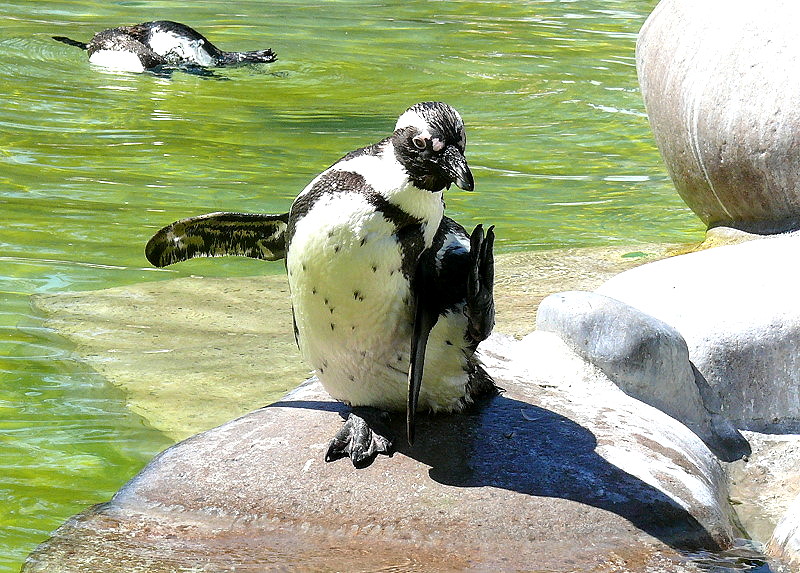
x=738, y=309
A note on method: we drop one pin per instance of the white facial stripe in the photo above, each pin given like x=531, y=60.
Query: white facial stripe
x=386, y=176
x=412, y=119
x=437, y=144
x=382, y=172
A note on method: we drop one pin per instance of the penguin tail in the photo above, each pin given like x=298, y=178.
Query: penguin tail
x=256, y=57
x=70, y=42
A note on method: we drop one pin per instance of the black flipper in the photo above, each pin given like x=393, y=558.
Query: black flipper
x=71, y=42
x=449, y=275
x=480, y=285
x=362, y=437
x=254, y=235
x=425, y=318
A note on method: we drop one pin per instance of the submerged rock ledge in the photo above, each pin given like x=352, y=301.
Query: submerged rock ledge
x=195, y=352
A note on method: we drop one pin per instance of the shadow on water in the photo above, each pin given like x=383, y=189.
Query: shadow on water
x=509, y=444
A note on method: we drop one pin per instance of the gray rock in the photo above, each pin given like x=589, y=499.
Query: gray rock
x=738, y=309
x=719, y=79
x=645, y=357
x=562, y=472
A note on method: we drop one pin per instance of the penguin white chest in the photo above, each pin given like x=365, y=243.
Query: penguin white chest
x=352, y=302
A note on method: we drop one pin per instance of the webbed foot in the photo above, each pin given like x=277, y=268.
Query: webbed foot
x=363, y=436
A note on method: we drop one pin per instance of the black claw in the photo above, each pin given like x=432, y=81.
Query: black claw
x=362, y=437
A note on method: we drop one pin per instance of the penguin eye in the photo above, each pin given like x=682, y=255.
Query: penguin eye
x=419, y=142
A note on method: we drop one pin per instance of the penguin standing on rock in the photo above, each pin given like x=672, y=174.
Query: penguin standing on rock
x=162, y=43
x=390, y=298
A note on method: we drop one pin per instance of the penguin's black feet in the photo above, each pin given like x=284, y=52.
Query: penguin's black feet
x=363, y=436
x=480, y=284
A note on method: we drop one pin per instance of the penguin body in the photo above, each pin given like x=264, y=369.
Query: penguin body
x=390, y=298
x=160, y=43
x=355, y=236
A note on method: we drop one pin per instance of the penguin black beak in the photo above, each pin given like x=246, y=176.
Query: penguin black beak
x=456, y=166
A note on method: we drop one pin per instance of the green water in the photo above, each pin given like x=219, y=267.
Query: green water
x=91, y=162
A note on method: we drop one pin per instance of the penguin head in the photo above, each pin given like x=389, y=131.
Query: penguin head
x=429, y=141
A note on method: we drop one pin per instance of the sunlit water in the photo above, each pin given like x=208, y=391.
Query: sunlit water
x=92, y=162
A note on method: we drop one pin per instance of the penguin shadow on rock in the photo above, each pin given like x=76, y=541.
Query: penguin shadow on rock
x=514, y=445
x=161, y=47
x=504, y=443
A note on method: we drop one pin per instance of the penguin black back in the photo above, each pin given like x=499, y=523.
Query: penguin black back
x=160, y=43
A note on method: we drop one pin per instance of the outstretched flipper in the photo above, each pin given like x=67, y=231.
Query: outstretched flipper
x=254, y=235
x=450, y=275
x=362, y=437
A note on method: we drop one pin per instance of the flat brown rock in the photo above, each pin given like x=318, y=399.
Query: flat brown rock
x=560, y=473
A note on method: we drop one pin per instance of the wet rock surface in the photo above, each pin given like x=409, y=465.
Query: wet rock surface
x=523, y=481
x=785, y=542
x=765, y=484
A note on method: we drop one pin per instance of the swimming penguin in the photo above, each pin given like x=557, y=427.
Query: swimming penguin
x=390, y=298
x=161, y=43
